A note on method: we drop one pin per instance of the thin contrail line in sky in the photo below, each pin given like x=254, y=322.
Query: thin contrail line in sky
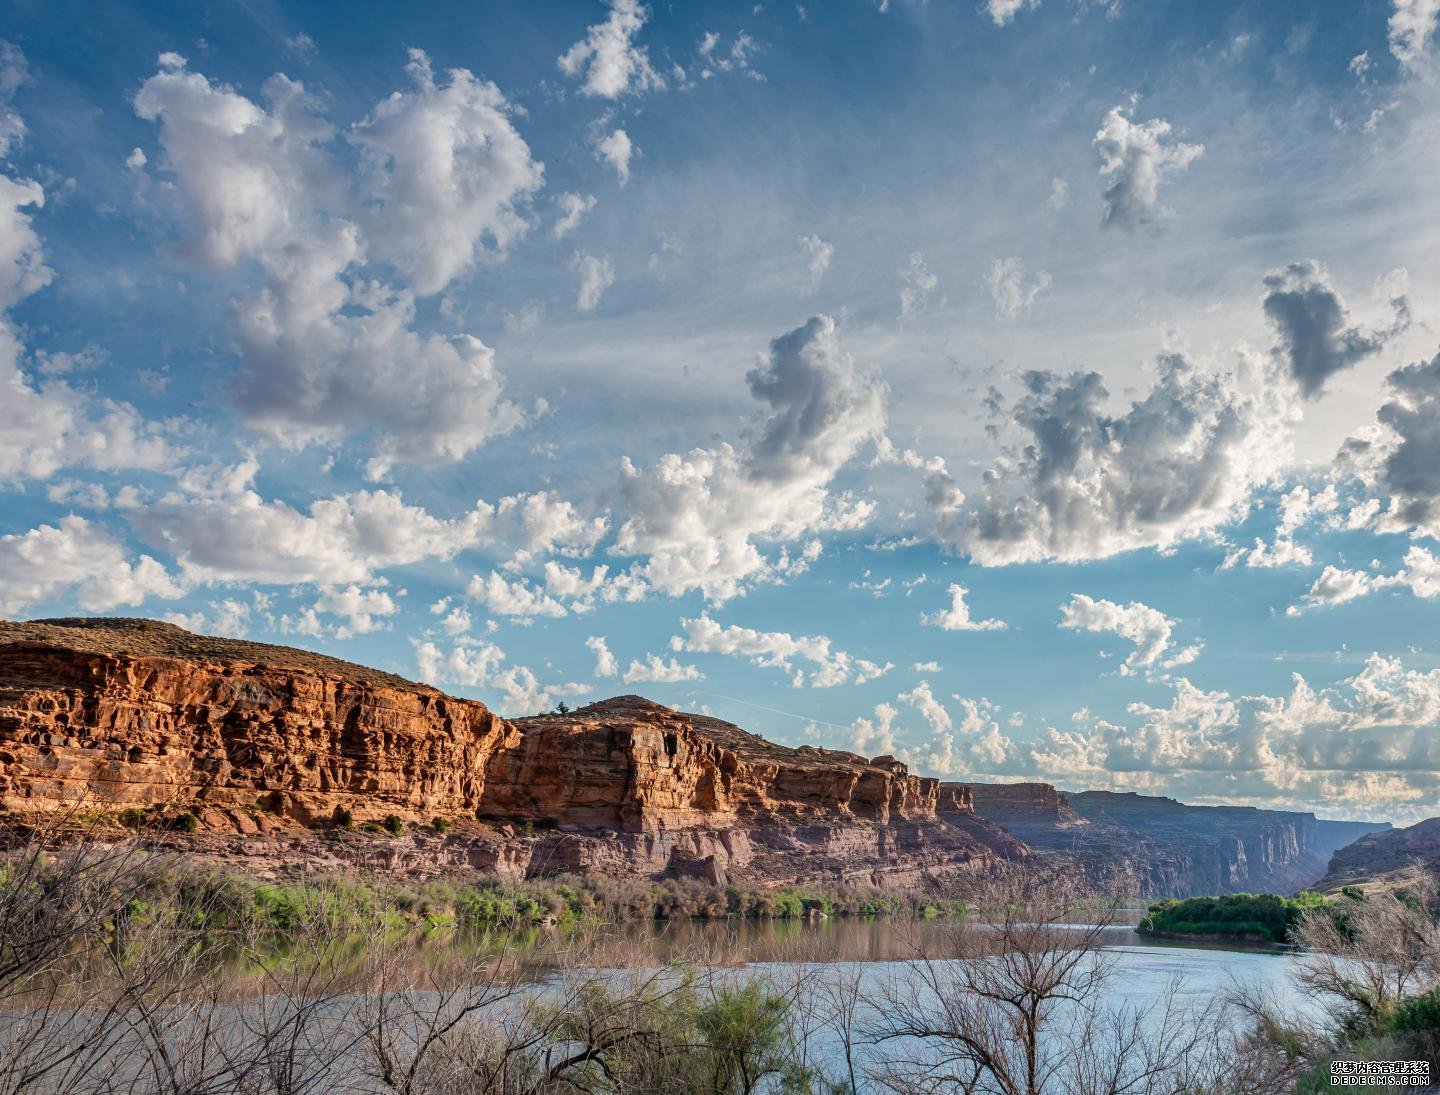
x=777, y=711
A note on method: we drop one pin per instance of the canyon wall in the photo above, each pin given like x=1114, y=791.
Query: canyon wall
x=103, y=715
x=275, y=745
x=1331, y=836
x=1166, y=848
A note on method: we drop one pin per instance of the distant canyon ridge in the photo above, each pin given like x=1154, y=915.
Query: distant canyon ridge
x=271, y=749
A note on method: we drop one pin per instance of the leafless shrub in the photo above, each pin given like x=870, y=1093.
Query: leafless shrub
x=1361, y=958
x=1369, y=953
x=63, y=881
x=1016, y=1009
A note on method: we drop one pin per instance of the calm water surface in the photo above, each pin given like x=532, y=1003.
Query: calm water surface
x=878, y=954
x=1144, y=969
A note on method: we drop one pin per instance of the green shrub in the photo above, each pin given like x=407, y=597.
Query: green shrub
x=728, y=1039
x=132, y=817
x=344, y=819
x=186, y=823
x=279, y=909
x=439, y=824
x=788, y=905
x=1316, y=1080
x=743, y=1029
x=393, y=824
x=1417, y=1015
x=880, y=906
x=496, y=905
x=1267, y=917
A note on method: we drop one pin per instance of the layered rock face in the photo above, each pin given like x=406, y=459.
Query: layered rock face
x=1377, y=858
x=630, y=781
x=1165, y=848
x=685, y=771
x=118, y=713
x=252, y=738
x=117, y=730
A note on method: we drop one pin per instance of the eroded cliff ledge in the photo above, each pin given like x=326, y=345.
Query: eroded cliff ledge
x=109, y=714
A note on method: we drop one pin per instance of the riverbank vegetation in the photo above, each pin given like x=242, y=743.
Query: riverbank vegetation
x=1242, y=917
x=125, y=971
x=228, y=900
x=1370, y=967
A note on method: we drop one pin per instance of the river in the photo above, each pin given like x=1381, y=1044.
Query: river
x=813, y=964
x=879, y=961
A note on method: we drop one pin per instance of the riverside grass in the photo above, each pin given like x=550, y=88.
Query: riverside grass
x=232, y=901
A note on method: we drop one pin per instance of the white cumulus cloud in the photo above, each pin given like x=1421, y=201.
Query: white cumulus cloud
x=701, y=517
x=1316, y=340
x=1086, y=484
x=1004, y=11
x=957, y=616
x=445, y=175
x=615, y=149
x=478, y=663
x=1009, y=288
x=608, y=57
x=572, y=211
x=778, y=650
x=80, y=560
x=1135, y=157
x=330, y=347
x=605, y=663
x=1399, y=458
x=655, y=669
x=1148, y=628
x=916, y=285
x=596, y=275
x=819, y=253
x=1412, y=30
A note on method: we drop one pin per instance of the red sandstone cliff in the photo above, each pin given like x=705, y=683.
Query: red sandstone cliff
x=117, y=713
x=201, y=721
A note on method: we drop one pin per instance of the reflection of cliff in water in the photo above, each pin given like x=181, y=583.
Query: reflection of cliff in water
x=838, y=939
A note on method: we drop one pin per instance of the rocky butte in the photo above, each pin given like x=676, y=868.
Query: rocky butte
x=271, y=744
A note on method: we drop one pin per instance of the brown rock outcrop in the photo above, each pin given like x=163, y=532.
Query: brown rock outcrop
x=115, y=713
x=686, y=771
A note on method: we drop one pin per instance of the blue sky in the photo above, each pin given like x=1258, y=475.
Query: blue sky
x=1032, y=389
